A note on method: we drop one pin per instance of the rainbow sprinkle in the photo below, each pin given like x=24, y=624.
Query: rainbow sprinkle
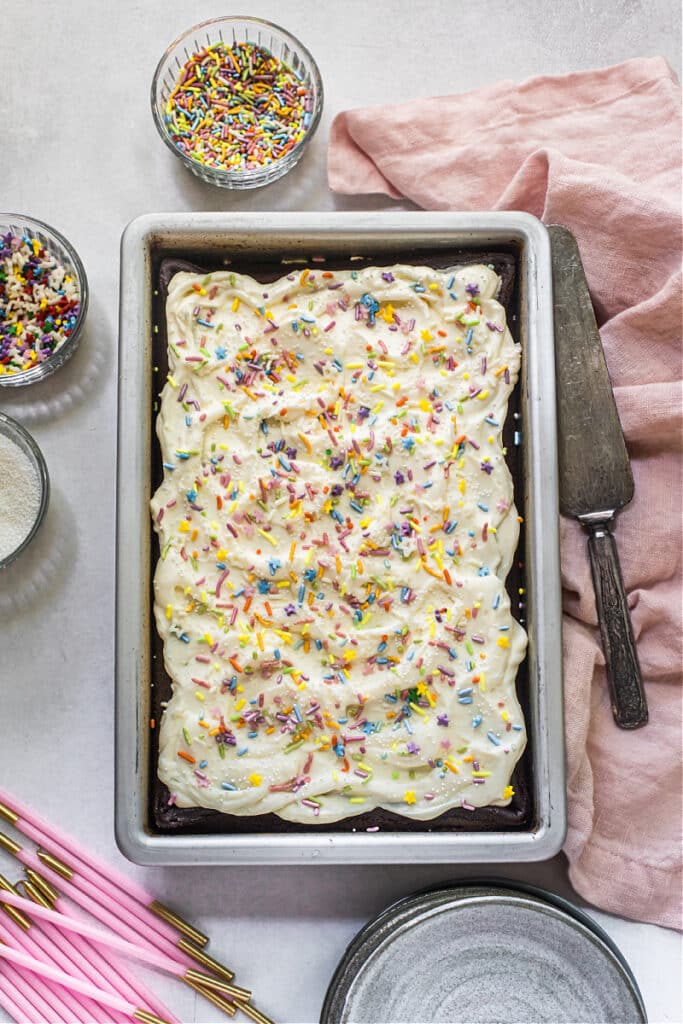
x=39, y=303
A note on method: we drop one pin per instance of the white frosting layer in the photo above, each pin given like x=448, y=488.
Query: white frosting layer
x=336, y=522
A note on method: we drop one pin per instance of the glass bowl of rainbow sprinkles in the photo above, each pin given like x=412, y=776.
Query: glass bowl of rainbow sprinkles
x=237, y=100
x=43, y=300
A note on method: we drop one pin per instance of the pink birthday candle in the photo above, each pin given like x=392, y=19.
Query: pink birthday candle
x=16, y=1004
x=57, y=949
x=104, y=938
x=131, y=929
x=38, y=946
x=117, y=886
x=44, y=970
x=60, y=1003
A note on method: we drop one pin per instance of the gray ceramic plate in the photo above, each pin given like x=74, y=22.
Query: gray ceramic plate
x=482, y=954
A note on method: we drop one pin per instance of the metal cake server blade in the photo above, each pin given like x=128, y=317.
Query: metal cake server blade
x=595, y=473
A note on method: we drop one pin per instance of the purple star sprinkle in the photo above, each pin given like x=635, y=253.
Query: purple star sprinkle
x=487, y=467
x=472, y=289
x=442, y=719
x=412, y=748
x=290, y=609
x=399, y=477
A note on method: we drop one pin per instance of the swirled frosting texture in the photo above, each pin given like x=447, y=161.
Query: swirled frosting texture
x=336, y=523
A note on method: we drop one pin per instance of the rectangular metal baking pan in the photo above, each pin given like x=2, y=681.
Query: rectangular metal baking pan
x=263, y=236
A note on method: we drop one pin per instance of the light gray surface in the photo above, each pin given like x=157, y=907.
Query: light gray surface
x=381, y=234
x=78, y=149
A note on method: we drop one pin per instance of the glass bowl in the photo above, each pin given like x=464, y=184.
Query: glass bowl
x=22, y=439
x=63, y=251
x=283, y=46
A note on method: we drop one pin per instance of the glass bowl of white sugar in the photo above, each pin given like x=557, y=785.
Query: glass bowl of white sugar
x=24, y=489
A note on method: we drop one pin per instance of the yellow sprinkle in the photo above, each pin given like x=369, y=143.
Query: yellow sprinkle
x=508, y=792
x=409, y=796
x=268, y=537
x=255, y=779
x=240, y=704
x=209, y=639
x=354, y=366
x=235, y=304
x=451, y=767
x=480, y=775
x=503, y=641
x=462, y=486
x=169, y=611
x=200, y=696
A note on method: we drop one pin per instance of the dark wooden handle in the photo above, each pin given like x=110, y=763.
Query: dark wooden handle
x=629, y=704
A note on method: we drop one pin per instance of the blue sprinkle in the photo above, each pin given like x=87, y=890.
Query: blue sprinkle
x=494, y=739
x=465, y=700
x=203, y=764
x=242, y=752
x=229, y=786
x=517, y=728
x=476, y=721
x=168, y=466
x=482, y=506
x=302, y=591
x=184, y=637
x=496, y=601
x=490, y=419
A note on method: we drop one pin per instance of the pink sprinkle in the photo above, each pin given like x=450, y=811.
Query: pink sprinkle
x=221, y=580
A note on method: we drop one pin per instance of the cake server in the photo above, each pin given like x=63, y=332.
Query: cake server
x=595, y=473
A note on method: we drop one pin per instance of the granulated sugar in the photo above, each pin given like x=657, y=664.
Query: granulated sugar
x=19, y=496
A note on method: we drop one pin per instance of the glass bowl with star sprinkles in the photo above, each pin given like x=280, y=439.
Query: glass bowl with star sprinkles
x=43, y=300
x=237, y=100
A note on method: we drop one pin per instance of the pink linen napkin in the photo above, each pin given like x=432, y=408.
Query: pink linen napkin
x=599, y=152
